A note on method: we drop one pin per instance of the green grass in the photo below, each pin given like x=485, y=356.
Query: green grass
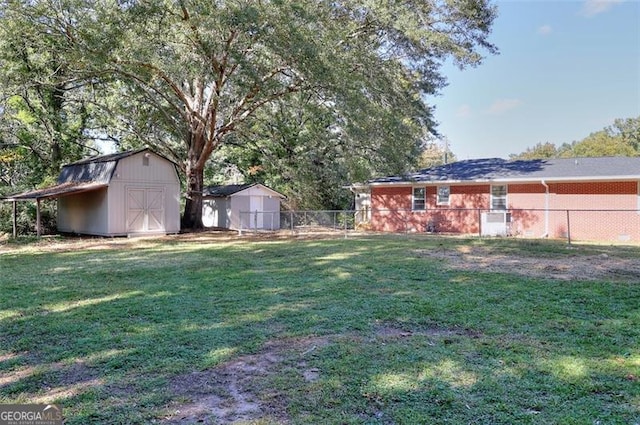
x=130, y=335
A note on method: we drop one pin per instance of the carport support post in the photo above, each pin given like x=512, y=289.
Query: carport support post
x=15, y=220
x=38, y=230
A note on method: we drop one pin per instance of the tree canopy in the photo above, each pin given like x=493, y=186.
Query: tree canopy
x=622, y=138
x=312, y=82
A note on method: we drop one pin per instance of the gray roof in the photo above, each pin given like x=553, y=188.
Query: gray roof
x=98, y=169
x=56, y=191
x=221, y=191
x=225, y=190
x=80, y=176
x=497, y=169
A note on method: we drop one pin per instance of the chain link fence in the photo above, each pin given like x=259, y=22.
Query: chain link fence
x=298, y=221
x=611, y=226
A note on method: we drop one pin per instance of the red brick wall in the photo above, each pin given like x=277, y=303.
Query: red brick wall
x=604, y=226
x=391, y=210
x=524, y=199
x=601, y=188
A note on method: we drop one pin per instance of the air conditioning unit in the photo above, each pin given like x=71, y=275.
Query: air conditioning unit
x=495, y=223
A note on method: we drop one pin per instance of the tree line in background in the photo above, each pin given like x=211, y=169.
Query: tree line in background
x=303, y=95
x=620, y=139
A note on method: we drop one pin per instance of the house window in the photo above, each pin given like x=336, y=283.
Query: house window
x=499, y=197
x=443, y=195
x=419, y=199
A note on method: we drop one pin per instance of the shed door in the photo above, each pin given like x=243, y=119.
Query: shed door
x=145, y=209
x=257, y=213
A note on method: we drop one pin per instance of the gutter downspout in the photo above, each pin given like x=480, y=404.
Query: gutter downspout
x=546, y=209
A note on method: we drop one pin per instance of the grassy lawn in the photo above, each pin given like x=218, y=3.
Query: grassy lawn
x=375, y=330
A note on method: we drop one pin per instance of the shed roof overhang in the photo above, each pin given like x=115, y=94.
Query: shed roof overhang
x=56, y=191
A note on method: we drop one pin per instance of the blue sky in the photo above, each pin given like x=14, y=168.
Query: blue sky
x=565, y=69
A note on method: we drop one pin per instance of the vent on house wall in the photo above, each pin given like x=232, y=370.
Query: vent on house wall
x=145, y=159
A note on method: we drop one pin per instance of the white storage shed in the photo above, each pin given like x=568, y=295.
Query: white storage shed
x=241, y=206
x=122, y=194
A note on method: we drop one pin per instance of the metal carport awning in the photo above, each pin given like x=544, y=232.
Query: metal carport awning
x=48, y=193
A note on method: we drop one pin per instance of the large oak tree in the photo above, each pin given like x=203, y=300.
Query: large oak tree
x=188, y=75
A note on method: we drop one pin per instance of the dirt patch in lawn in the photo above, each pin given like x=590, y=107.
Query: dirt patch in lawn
x=569, y=266
x=234, y=391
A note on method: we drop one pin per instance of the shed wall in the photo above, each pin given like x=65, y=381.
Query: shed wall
x=216, y=212
x=238, y=211
x=84, y=213
x=239, y=204
x=158, y=175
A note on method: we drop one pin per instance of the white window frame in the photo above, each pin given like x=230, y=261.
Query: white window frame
x=414, y=198
x=505, y=197
x=439, y=201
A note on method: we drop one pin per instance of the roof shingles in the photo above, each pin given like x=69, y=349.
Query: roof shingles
x=496, y=169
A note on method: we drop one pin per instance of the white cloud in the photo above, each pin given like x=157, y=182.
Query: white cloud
x=463, y=111
x=502, y=106
x=595, y=7
x=545, y=30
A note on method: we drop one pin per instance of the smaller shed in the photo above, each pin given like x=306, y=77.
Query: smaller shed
x=241, y=206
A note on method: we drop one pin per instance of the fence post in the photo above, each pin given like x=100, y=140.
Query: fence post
x=240, y=229
x=345, y=224
x=255, y=222
x=479, y=223
x=568, y=228
x=291, y=214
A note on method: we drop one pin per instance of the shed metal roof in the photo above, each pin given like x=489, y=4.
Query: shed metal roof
x=97, y=169
x=56, y=191
x=501, y=170
x=87, y=174
x=225, y=190
x=232, y=189
x=108, y=157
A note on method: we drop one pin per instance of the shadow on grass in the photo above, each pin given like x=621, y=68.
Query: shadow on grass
x=106, y=333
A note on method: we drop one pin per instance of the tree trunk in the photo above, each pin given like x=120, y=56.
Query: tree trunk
x=192, y=217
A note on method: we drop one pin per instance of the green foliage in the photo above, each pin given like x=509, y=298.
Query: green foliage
x=620, y=139
x=434, y=154
x=539, y=151
x=298, y=149
x=45, y=105
x=26, y=218
x=191, y=76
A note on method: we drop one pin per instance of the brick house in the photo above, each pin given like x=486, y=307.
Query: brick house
x=583, y=198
